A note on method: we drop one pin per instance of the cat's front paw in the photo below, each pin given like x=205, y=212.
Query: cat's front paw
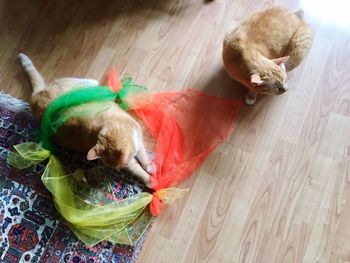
x=151, y=168
x=147, y=181
x=250, y=98
x=148, y=184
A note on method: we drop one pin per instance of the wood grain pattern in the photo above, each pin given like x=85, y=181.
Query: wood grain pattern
x=279, y=189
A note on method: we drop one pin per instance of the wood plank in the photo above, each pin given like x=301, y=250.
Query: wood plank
x=279, y=189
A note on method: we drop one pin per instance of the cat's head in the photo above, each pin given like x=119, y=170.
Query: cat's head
x=272, y=79
x=115, y=147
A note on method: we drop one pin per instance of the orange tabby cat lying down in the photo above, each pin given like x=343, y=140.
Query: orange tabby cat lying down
x=265, y=46
x=112, y=135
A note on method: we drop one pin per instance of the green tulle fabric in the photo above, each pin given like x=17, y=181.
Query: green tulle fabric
x=83, y=102
x=91, y=215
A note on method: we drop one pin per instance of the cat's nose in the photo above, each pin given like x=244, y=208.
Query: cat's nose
x=282, y=90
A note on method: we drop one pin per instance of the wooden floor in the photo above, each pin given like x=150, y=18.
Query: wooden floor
x=279, y=189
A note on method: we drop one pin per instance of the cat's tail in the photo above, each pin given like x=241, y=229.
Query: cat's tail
x=299, y=46
x=36, y=79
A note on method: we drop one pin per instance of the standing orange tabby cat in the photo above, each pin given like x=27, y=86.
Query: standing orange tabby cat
x=263, y=48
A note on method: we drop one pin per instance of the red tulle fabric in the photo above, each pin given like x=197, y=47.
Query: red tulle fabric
x=113, y=80
x=156, y=206
x=187, y=126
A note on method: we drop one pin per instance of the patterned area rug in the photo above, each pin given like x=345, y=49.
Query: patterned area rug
x=31, y=228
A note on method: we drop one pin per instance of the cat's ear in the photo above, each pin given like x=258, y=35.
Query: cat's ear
x=92, y=154
x=256, y=80
x=281, y=60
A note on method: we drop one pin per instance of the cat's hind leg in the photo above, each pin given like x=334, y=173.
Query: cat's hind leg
x=298, y=46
